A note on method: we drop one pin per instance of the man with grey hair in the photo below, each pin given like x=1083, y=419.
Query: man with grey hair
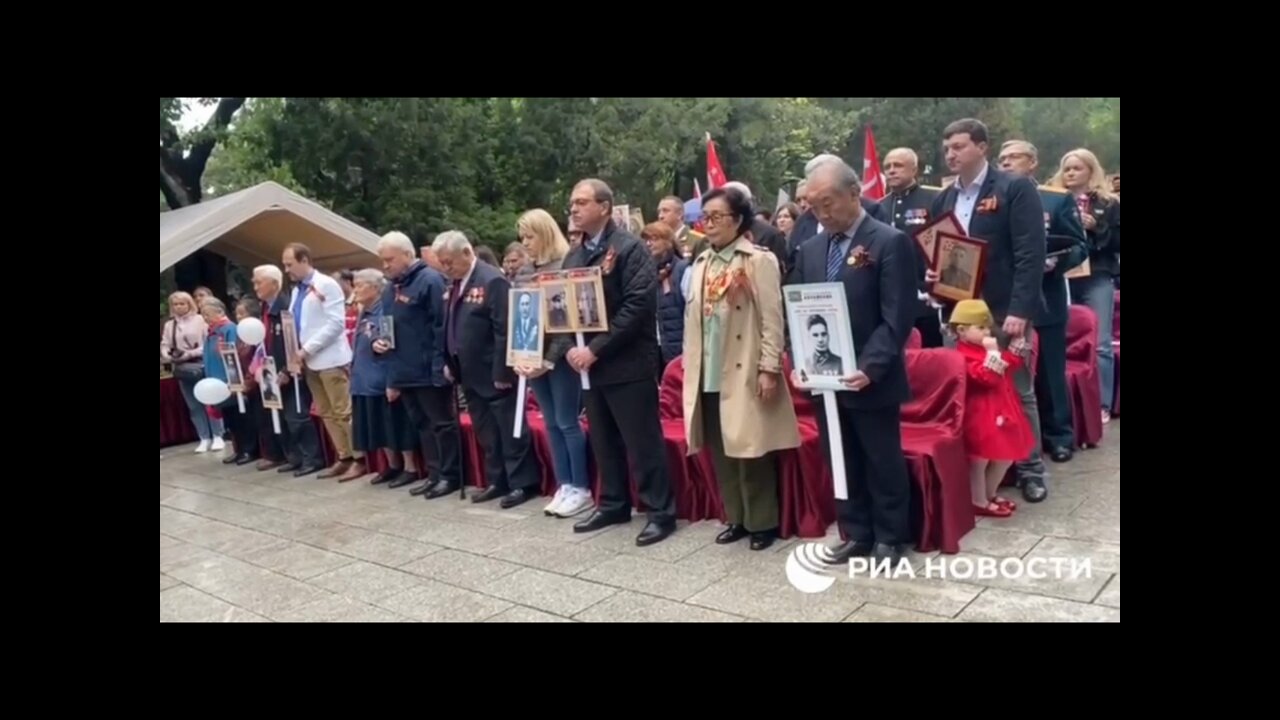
x=476, y=355
x=877, y=266
x=296, y=449
x=907, y=206
x=807, y=225
x=415, y=301
x=622, y=404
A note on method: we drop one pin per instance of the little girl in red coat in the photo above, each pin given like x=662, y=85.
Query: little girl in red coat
x=996, y=430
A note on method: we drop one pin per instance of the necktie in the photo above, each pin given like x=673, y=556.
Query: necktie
x=834, y=257
x=455, y=294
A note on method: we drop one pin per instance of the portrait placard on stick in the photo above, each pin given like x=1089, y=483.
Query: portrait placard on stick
x=269, y=381
x=291, y=348
x=622, y=216
x=822, y=349
x=960, y=262
x=587, y=311
x=927, y=237
x=524, y=327
x=231, y=361
x=387, y=330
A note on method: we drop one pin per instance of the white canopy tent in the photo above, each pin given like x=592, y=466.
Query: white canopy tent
x=253, y=226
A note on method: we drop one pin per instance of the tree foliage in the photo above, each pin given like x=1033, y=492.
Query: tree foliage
x=423, y=165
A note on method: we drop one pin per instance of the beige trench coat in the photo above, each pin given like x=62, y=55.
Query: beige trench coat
x=752, y=335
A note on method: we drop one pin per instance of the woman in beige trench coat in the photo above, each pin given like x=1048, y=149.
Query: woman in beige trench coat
x=735, y=398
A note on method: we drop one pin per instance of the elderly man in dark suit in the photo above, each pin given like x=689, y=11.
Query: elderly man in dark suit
x=1005, y=211
x=808, y=225
x=476, y=344
x=877, y=266
x=622, y=404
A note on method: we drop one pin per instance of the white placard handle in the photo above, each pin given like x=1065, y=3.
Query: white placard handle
x=275, y=421
x=586, y=380
x=297, y=394
x=520, y=403
x=836, y=440
x=240, y=397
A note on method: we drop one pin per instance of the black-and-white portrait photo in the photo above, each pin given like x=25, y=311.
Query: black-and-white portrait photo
x=821, y=359
x=960, y=261
x=231, y=361
x=270, y=384
x=557, y=308
x=588, y=309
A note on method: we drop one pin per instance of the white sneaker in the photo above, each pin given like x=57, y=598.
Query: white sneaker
x=576, y=502
x=559, y=497
x=218, y=444
x=1106, y=417
x=203, y=447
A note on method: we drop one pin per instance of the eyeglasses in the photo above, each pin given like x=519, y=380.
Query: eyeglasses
x=716, y=217
x=1011, y=156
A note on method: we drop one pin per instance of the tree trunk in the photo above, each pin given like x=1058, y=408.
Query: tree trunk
x=180, y=177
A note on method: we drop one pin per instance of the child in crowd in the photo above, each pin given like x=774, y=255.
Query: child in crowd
x=996, y=431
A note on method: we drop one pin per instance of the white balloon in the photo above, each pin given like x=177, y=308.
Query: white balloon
x=251, y=331
x=212, y=391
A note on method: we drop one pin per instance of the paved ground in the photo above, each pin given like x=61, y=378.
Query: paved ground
x=242, y=546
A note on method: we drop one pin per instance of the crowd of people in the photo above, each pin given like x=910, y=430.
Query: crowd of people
x=387, y=356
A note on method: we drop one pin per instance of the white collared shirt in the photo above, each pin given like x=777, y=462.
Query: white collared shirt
x=967, y=196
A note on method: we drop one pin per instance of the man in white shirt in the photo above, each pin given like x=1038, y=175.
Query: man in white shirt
x=319, y=312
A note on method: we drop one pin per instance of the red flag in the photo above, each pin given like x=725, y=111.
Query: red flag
x=872, y=180
x=715, y=173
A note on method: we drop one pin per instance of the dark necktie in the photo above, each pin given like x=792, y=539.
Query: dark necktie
x=834, y=257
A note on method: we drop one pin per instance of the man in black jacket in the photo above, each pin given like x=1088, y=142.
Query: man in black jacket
x=476, y=341
x=1006, y=212
x=415, y=300
x=622, y=404
x=907, y=207
x=807, y=224
x=298, y=440
x=877, y=266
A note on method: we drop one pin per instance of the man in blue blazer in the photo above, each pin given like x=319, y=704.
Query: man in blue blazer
x=877, y=266
x=1005, y=211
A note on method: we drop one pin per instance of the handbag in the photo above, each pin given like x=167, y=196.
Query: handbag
x=187, y=371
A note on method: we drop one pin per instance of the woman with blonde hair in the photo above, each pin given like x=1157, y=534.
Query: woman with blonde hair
x=182, y=343
x=1082, y=175
x=555, y=384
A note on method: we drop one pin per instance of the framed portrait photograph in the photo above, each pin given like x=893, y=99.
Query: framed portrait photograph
x=822, y=349
x=960, y=262
x=290, y=331
x=524, y=326
x=927, y=237
x=269, y=382
x=231, y=361
x=555, y=297
x=622, y=216
x=586, y=300
x=387, y=330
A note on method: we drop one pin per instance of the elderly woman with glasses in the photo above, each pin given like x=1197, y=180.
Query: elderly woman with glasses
x=735, y=399
x=377, y=422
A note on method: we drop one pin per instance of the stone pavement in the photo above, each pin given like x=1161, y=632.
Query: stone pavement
x=241, y=546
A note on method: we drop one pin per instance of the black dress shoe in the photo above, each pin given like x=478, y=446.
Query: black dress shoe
x=493, y=492
x=655, y=532
x=519, y=496
x=245, y=459
x=230, y=460
x=841, y=553
x=288, y=468
x=423, y=488
x=598, y=520
x=762, y=540
x=307, y=470
x=884, y=552
x=386, y=476
x=1033, y=490
x=1061, y=454
x=401, y=480
x=732, y=534
x=440, y=490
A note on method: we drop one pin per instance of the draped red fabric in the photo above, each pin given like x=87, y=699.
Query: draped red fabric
x=913, y=340
x=806, y=495
x=696, y=492
x=933, y=441
x=175, y=420
x=1082, y=375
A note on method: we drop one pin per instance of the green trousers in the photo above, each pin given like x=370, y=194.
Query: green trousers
x=748, y=486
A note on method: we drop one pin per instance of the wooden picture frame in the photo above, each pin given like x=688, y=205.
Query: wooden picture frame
x=927, y=236
x=960, y=278
x=269, y=384
x=525, y=324
x=290, y=332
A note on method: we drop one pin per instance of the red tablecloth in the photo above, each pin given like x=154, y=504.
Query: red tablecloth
x=1083, y=385
x=175, y=419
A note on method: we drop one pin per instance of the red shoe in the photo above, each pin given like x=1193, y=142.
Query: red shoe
x=1005, y=503
x=992, y=509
